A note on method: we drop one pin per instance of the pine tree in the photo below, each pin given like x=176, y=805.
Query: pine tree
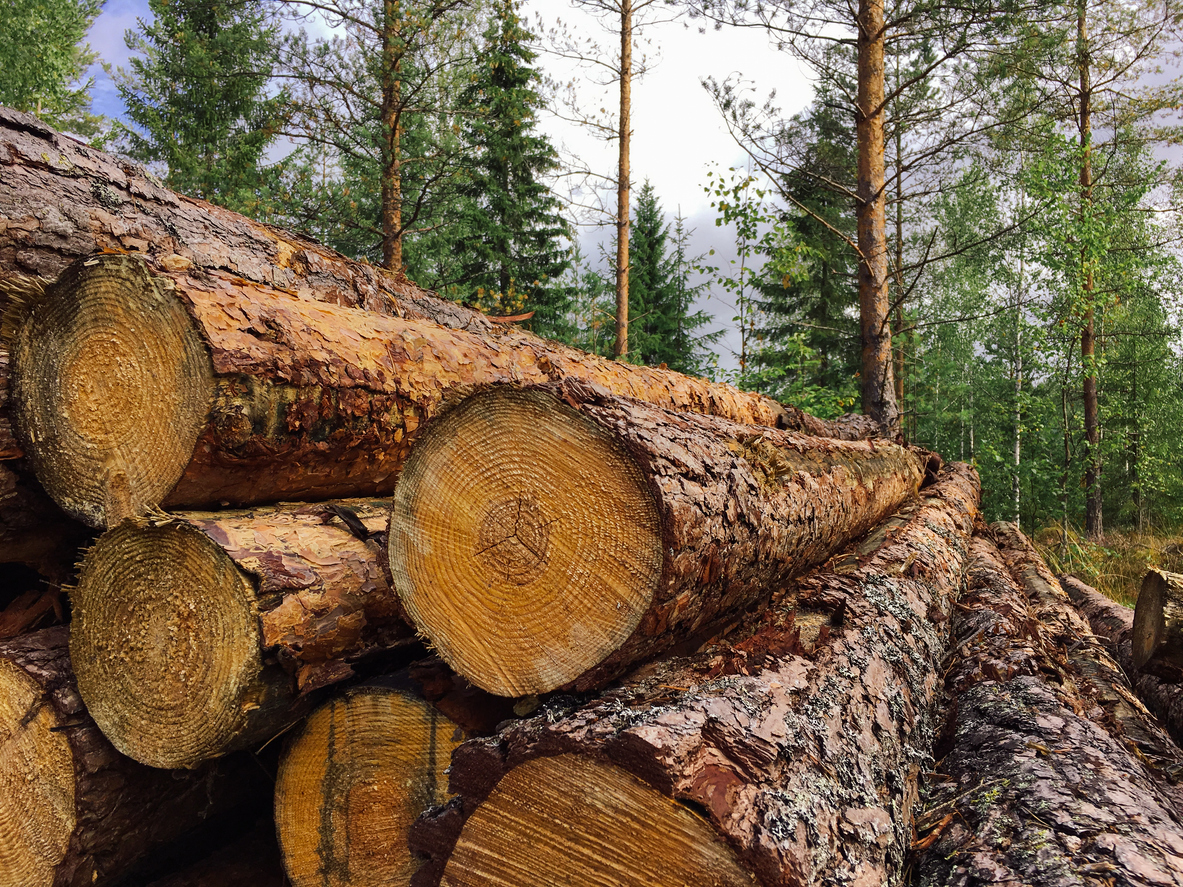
x=510, y=238
x=197, y=94
x=43, y=60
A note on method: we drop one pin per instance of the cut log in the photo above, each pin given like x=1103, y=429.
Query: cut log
x=799, y=740
x=363, y=767
x=1114, y=626
x=1157, y=641
x=73, y=811
x=133, y=390
x=1037, y=784
x=539, y=544
x=196, y=634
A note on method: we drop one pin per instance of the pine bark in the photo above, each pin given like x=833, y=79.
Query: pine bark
x=799, y=740
x=196, y=634
x=542, y=538
x=1114, y=626
x=1050, y=771
x=76, y=812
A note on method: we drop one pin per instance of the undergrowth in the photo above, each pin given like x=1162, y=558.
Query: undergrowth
x=1116, y=567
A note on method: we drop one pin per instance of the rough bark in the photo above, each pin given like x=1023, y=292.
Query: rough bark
x=1114, y=625
x=73, y=811
x=799, y=739
x=196, y=634
x=364, y=766
x=1157, y=638
x=1044, y=777
x=539, y=542
x=185, y=391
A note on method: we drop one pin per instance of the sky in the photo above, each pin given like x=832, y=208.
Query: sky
x=678, y=135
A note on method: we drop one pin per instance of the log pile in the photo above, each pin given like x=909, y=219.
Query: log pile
x=462, y=606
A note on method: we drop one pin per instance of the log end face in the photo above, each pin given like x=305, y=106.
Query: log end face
x=166, y=643
x=36, y=783
x=352, y=782
x=576, y=820
x=1149, y=622
x=524, y=541
x=111, y=384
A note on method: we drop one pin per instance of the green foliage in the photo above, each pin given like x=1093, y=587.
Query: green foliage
x=197, y=94
x=663, y=325
x=43, y=60
x=509, y=235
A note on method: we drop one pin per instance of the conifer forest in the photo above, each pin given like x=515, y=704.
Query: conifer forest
x=970, y=232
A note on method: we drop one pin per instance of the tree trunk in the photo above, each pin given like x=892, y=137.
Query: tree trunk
x=391, y=112
x=623, y=173
x=1114, y=624
x=74, y=812
x=878, y=388
x=1035, y=783
x=1157, y=639
x=197, y=634
x=797, y=741
x=364, y=766
x=139, y=390
x=1094, y=525
x=540, y=543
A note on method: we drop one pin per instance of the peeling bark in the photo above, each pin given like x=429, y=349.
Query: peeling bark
x=799, y=739
x=541, y=542
x=1042, y=780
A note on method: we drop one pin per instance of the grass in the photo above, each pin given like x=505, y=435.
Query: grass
x=1116, y=567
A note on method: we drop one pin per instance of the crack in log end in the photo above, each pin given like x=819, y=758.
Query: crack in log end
x=513, y=539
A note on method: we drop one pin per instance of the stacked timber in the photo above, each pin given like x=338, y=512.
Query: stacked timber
x=679, y=634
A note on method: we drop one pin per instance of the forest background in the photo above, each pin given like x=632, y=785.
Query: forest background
x=1020, y=235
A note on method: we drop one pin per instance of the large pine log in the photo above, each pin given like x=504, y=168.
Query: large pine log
x=61, y=200
x=195, y=633
x=1114, y=625
x=134, y=389
x=540, y=542
x=798, y=742
x=364, y=766
x=73, y=811
x=1042, y=781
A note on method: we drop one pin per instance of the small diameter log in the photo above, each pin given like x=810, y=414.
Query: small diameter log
x=1114, y=626
x=363, y=767
x=73, y=811
x=133, y=390
x=540, y=542
x=799, y=740
x=1157, y=641
x=1037, y=784
x=196, y=634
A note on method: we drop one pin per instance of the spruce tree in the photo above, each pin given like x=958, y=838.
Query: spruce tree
x=663, y=324
x=510, y=238
x=197, y=94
